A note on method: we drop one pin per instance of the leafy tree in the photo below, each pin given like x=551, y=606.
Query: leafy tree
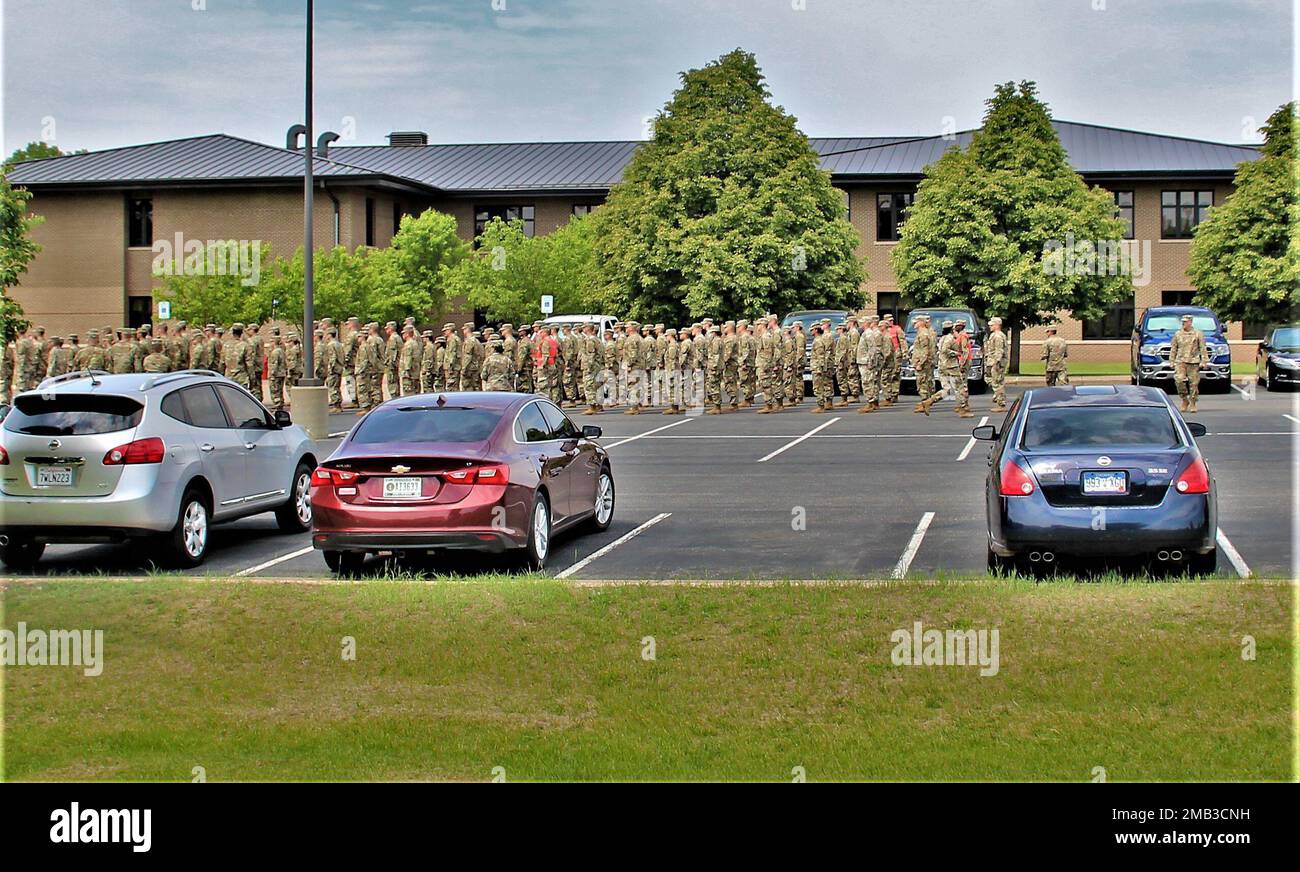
x=410, y=276
x=1007, y=227
x=16, y=251
x=36, y=151
x=508, y=274
x=1245, y=257
x=202, y=295
x=725, y=211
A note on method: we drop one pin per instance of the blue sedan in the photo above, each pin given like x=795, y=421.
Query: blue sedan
x=1098, y=471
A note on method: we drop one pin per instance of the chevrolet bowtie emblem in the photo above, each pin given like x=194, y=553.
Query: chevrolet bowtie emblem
x=401, y=470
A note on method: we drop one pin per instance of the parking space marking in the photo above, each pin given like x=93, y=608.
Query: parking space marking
x=914, y=545
x=581, y=564
x=647, y=433
x=1292, y=418
x=1234, y=557
x=268, y=564
x=814, y=431
x=971, y=444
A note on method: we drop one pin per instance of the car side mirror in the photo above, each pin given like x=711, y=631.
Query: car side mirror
x=987, y=433
x=591, y=431
x=282, y=419
x=1196, y=428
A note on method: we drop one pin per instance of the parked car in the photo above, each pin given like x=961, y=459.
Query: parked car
x=1149, y=351
x=1277, y=364
x=602, y=322
x=976, y=329
x=1098, y=471
x=809, y=317
x=491, y=472
x=116, y=458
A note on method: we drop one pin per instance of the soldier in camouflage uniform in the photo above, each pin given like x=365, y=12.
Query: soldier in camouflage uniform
x=1055, y=353
x=408, y=363
x=60, y=358
x=591, y=358
x=823, y=366
x=895, y=348
x=1188, y=353
x=498, y=372
x=334, y=369
x=925, y=354
x=634, y=356
x=766, y=365
x=27, y=362
x=428, y=360
x=843, y=358
x=256, y=359
x=370, y=369
x=293, y=359
x=713, y=366
x=471, y=359
x=670, y=373
x=794, y=393
x=451, y=358
x=745, y=363
x=157, y=360
x=996, y=357
x=869, y=357
x=235, y=355
x=523, y=357
x=122, y=355
x=546, y=364
x=277, y=370
x=730, y=365
x=91, y=355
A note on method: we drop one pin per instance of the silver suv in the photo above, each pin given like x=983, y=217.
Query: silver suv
x=93, y=457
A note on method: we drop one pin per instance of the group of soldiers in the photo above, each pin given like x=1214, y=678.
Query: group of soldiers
x=708, y=366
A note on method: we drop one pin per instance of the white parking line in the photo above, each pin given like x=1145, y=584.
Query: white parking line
x=789, y=445
x=577, y=567
x=337, y=435
x=971, y=444
x=268, y=564
x=905, y=562
x=647, y=433
x=1292, y=418
x=1240, y=390
x=1234, y=557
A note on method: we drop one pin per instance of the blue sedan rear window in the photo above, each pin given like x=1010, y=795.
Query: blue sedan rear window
x=426, y=423
x=1099, y=427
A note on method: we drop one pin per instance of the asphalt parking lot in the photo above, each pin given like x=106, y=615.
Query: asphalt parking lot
x=801, y=496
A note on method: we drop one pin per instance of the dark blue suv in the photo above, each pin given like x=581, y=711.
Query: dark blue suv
x=1149, y=357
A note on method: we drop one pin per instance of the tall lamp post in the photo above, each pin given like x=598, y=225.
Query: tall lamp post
x=308, y=396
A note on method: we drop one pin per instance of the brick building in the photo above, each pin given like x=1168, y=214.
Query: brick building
x=105, y=210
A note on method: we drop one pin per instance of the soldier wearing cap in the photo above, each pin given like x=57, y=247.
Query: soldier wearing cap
x=392, y=364
x=497, y=372
x=333, y=367
x=1188, y=352
x=1055, y=352
x=546, y=355
x=853, y=378
x=925, y=356
x=370, y=369
x=451, y=357
x=256, y=359
x=713, y=369
x=472, y=355
x=235, y=356
x=91, y=355
x=996, y=357
x=60, y=358
x=277, y=369
x=408, y=363
x=43, y=349
x=157, y=359
x=122, y=354
x=523, y=359
x=895, y=349
x=670, y=368
x=74, y=344
x=823, y=366
x=869, y=356
x=792, y=354
x=634, y=357
x=293, y=358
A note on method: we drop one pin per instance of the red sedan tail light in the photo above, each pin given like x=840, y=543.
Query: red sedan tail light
x=323, y=476
x=492, y=474
x=1195, y=479
x=149, y=450
x=1015, y=482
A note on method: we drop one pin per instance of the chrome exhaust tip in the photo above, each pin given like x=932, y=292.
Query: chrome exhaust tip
x=1048, y=556
x=1175, y=555
x=1162, y=556
x=4, y=540
x=1034, y=557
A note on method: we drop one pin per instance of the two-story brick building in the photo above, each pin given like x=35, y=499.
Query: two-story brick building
x=104, y=210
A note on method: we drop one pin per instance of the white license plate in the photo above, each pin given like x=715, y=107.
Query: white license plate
x=53, y=476
x=397, y=488
x=1105, y=483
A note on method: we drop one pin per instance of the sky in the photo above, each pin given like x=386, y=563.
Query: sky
x=103, y=73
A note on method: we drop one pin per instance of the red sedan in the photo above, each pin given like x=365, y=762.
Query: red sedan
x=488, y=472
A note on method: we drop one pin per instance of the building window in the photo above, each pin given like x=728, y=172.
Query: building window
x=893, y=303
x=1117, y=323
x=891, y=212
x=1181, y=211
x=139, y=311
x=370, y=221
x=1254, y=329
x=483, y=216
x=397, y=218
x=139, y=223
x=1178, y=298
x=1124, y=211
x=585, y=208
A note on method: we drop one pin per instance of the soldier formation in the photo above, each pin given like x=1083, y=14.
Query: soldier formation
x=706, y=366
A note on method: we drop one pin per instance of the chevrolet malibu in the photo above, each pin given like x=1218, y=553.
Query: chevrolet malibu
x=491, y=472
x=1098, y=471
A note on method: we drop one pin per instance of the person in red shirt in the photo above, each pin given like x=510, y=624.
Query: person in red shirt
x=545, y=355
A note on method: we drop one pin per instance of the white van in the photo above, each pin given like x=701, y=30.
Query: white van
x=602, y=322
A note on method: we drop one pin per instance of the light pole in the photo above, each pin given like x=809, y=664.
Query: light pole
x=308, y=396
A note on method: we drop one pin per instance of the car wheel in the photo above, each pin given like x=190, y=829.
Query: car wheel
x=1204, y=564
x=332, y=559
x=350, y=563
x=21, y=553
x=539, y=534
x=604, y=515
x=187, y=544
x=295, y=515
x=1269, y=384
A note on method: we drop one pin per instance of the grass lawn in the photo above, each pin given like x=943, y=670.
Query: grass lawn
x=547, y=680
x=1088, y=367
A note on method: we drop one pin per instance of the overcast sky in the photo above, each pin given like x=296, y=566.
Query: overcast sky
x=102, y=73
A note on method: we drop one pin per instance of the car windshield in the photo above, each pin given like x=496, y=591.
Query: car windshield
x=808, y=319
x=1099, y=427
x=1204, y=323
x=937, y=317
x=426, y=423
x=1287, y=337
x=72, y=414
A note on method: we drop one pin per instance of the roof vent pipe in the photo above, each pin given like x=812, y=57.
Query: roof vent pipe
x=293, y=134
x=323, y=143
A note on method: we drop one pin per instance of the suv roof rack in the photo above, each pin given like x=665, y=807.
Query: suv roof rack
x=163, y=378
x=71, y=376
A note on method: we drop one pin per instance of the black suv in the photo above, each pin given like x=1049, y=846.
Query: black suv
x=975, y=327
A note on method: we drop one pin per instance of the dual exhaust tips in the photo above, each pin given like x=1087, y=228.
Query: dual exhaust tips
x=1041, y=556
x=1168, y=556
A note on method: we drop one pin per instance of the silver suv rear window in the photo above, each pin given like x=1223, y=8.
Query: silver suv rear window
x=73, y=414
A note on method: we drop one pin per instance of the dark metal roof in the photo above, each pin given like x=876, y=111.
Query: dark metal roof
x=586, y=166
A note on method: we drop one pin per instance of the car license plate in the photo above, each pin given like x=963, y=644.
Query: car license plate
x=54, y=476
x=1112, y=483
x=398, y=488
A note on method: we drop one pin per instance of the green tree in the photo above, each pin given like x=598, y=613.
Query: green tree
x=16, y=251
x=1007, y=227
x=508, y=274
x=1245, y=257
x=725, y=211
x=201, y=293
x=36, y=151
